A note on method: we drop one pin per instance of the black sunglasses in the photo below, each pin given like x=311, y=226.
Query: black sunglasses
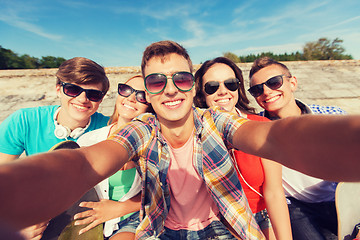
x=232, y=84
x=73, y=90
x=272, y=83
x=125, y=91
x=156, y=82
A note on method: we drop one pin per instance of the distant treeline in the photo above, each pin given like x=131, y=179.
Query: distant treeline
x=322, y=49
x=11, y=60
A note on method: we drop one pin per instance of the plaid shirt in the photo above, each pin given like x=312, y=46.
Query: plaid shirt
x=212, y=140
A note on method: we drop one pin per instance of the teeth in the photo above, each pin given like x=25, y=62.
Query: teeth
x=127, y=106
x=80, y=107
x=272, y=99
x=172, y=103
x=223, y=100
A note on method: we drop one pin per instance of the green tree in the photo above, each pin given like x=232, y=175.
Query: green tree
x=51, y=62
x=325, y=49
x=28, y=62
x=8, y=59
x=232, y=56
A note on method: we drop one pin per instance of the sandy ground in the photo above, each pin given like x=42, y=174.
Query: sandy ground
x=321, y=82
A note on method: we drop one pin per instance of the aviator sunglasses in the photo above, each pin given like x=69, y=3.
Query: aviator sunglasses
x=272, y=83
x=212, y=86
x=125, y=91
x=73, y=90
x=156, y=82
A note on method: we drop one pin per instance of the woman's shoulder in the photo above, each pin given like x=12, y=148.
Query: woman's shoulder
x=94, y=136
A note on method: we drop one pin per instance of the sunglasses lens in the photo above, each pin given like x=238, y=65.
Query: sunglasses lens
x=211, y=87
x=184, y=81
x=94, y=95
x=140, y=96
x=274, y=82
x=256, y=90
x=124, y=90
x=155, y=83
x=232, y=84
x=72, y=90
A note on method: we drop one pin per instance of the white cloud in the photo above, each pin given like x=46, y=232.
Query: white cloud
x=11, y=17
x=342, y=23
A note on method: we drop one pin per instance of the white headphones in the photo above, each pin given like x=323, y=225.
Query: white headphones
x=62, y=132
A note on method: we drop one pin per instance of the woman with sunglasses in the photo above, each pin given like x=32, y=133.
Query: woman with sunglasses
x=81, y=85
x=219, y=82
x=120, y=194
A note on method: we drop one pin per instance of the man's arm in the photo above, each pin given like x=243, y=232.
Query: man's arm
x=41, y=186
x=326, y=147
x=5, y=158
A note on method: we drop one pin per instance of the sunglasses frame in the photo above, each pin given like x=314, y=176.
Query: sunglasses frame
x=261, y=85
x=172, y=77
x=137, y=92
x=65, y=84
x=225, y=84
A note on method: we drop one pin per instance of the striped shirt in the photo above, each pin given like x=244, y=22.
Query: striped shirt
x=213, y=138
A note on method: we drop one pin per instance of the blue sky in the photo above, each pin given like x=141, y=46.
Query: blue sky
x=115, y=33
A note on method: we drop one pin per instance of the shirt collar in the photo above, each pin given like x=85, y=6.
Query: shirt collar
x=305, y=109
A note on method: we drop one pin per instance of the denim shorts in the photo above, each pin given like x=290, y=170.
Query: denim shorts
x=128, y=224
x=215, y=230
x=263, y=220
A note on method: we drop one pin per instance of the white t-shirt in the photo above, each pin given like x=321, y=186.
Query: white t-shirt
x=306, y=188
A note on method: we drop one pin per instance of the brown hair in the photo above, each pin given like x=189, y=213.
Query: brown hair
x=162, y=49
x=81, y=70
x=115, y=115
x=265, y=62
x=199, y=99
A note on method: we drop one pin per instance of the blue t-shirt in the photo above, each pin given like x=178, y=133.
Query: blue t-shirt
x=32, y=130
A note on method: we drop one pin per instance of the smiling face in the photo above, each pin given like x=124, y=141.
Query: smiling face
x=128, y=107
x=279, y=100
x=171, y=105
x=223, y=97
x=76, y=111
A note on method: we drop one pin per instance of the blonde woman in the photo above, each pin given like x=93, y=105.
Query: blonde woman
x=120, y=194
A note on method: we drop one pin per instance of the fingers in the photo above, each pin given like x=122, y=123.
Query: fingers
x=83, y=214
x=85, y=221
x=88, y=204
x=34, y=232
x=87, y=228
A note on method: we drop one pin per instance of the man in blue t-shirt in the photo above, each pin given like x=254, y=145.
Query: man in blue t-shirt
x=81, y=85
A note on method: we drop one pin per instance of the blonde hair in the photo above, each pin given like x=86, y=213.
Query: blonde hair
x=115, y=116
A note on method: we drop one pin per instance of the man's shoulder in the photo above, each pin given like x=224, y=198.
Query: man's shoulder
x=149, y=118
x=35, y=112
x=99, y=117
